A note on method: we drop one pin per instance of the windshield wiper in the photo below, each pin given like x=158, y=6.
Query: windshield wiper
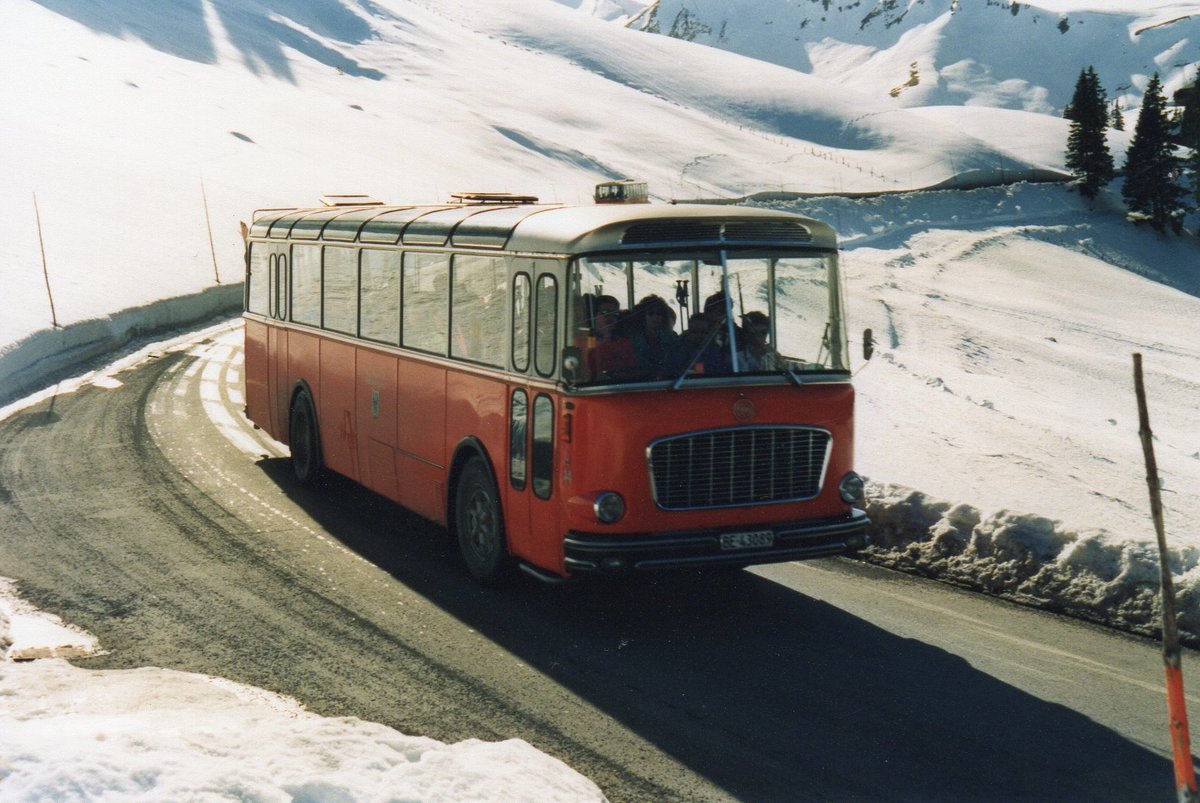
x=699, y=351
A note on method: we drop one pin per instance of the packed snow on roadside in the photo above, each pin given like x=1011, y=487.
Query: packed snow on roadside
x=68, y=733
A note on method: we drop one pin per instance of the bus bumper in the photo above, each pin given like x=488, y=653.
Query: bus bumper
x=594, y=553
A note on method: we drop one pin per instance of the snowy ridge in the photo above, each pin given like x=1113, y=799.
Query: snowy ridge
x=946, y=52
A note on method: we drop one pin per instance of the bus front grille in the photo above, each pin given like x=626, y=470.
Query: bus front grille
x=738, y=466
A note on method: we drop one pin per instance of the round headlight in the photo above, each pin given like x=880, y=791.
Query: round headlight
x=852, y=488
x=609, y=507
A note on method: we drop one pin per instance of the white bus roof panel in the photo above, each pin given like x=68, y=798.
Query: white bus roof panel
x=553, y=229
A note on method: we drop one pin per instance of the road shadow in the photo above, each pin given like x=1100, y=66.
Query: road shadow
x=767, y=693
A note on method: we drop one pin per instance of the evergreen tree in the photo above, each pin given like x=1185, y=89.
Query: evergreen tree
x=1117, y=123
x=1088, y=157
x=1152, y=168
x=1189, y=131
x=1080, y=83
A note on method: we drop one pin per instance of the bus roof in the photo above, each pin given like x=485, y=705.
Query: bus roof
x=549, y=228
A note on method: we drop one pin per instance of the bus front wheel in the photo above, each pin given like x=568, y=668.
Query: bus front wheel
x=302, y=434
x=479, y=524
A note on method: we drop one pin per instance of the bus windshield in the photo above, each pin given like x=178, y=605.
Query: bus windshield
x=712, y=314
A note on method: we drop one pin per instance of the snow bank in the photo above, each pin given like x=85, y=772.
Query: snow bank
x=70, y=734
x=47, y=355
x=1032, y=560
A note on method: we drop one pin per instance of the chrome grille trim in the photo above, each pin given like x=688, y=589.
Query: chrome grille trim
x=738, y=466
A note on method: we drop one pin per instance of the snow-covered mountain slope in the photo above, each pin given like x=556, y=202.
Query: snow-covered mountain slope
x=121, y=118
x=999, y=53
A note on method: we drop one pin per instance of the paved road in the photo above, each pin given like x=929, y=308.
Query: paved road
x=146, y=510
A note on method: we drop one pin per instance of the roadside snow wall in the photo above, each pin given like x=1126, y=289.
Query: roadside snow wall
x=1035, y=561
x=43, y=358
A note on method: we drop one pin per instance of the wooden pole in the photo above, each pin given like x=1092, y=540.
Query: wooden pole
x=45, y=271
x=1181, y=749
x=208, y=222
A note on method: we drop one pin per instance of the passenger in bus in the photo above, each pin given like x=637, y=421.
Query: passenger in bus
x=699, y=347
x=655, y=343
x=756, y=353
x=611, y=356
x=714, y=306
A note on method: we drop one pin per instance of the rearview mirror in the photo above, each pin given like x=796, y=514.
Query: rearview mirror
x=571, y=360
x=868, y=344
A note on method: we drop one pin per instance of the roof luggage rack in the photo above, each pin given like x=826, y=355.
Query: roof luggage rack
x=492, y=198
x=334, y=199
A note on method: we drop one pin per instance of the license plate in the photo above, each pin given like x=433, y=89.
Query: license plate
x=759, y=538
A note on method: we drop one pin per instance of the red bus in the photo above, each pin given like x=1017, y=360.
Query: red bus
x=570, y=390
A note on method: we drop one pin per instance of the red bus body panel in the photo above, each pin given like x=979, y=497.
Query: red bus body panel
x=393, y=423
x=601, y=461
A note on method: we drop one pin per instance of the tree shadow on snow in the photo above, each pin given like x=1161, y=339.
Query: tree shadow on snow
x=261, y=31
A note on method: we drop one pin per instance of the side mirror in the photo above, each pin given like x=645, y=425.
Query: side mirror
x=868, y=344
x=572, y=359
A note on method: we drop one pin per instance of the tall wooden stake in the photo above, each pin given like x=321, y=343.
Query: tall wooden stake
x=45, y=271
x=1181, y=748
x=208, y=222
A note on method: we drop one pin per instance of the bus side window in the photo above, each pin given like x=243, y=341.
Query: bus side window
x=542, y=468
x=426, y=301
x=340, y=289
x=280, y=289
x=517, y=428
x=545, y=355
x=520, y=322
x=306, y=284
x=477, y=293
x=379, y=296
x=259, y=294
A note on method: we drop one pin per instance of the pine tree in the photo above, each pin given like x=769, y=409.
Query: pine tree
x=1189, y=132
x=1117, y=123
x=1152, y=168
x=1088, y=157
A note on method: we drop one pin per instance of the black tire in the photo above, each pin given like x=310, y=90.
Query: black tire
x=305, y=441
x=479, y=524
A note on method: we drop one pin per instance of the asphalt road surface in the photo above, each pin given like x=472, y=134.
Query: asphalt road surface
x=145, y=509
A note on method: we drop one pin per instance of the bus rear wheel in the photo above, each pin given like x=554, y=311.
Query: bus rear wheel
x=305, y=445
x=479, y=524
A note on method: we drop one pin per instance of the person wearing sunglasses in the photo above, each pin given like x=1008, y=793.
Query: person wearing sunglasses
x=757, y=354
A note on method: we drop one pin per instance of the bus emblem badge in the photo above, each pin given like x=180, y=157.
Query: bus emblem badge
x=743, y=410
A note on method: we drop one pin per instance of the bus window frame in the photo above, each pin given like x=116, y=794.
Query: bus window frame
x=291, y=278
x=518, y=275
x=399, y=295
x=498, y=264
x=518, y=436
x=357, y=272
x=536, y=482
x=282, y=288
x=272, y=286
x=553, y=328
x=448, y=322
